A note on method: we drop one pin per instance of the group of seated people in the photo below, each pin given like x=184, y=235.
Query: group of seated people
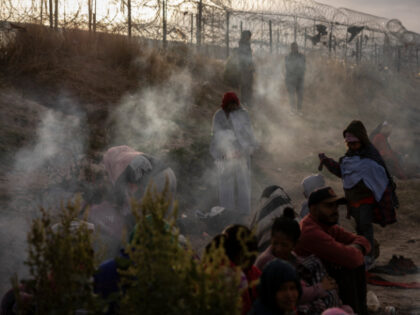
x=309, y=267
x=315, y=267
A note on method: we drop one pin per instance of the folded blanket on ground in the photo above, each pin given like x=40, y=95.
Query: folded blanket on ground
x=379, y=281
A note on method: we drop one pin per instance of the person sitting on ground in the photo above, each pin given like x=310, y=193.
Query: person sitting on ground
x=336, y=311
x=279, y=290
x=368, y=186
x=241, y=248
x=379, y=138
x=274, y=201
x=310, y=184
x=341, y=252
x=129, y=173
x=319, y=291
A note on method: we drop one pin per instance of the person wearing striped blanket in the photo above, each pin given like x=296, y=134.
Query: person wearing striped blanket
x=319, y=291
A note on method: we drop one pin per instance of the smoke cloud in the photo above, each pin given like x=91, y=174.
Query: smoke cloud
x=42, y=176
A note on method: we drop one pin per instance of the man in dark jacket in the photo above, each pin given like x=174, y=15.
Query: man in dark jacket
x=246, y=66
x=295, y=72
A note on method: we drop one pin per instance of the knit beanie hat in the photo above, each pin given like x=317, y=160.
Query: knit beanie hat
x=228, y=98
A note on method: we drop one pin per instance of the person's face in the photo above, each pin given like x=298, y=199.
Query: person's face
x=287, y=296
x=327, y=213
x=281, y=245
x=231, y=107
x=354, y=146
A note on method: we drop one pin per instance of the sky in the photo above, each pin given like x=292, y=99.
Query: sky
x=407, y=11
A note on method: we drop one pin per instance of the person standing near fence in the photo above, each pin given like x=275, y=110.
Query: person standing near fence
x=295, y=73
x=246, y=68
x=232, y=145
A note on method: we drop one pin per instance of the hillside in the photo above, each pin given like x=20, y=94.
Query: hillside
x=67, y=97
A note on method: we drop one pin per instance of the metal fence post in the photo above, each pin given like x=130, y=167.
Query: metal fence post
x=346, y=46
x=271, y=35
x=192, y=27
x=56, y=14
x=94, y=16
x=376, y=54
x=164, y=23
x=199, y=21
x=330, y=40
x=227, y=33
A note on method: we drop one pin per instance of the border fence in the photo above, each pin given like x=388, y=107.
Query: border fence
x=214, y=26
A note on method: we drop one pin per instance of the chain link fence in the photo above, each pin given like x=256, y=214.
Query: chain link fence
x=214, y=26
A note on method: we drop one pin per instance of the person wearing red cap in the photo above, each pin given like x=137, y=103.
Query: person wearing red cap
x=232, y=145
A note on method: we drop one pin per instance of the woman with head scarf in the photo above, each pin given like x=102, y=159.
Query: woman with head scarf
x=279, y=290
x=232, y=145
x=368, y=186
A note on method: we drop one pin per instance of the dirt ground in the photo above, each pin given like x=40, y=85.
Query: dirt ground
x=288, y=153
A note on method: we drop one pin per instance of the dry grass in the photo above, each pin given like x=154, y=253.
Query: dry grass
x=96, y=67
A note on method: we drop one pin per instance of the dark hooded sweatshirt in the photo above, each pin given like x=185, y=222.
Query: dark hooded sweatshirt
x=274, y=275
x=385, y=209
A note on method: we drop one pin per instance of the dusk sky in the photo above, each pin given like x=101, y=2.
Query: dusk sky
x=407, y=11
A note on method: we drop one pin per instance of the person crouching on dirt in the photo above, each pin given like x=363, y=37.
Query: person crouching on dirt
x=368, y=186
x=240, y=247
x=279, y=290
x=341, y=252
x=319, y=291
x=232, y=145
x=130, y=172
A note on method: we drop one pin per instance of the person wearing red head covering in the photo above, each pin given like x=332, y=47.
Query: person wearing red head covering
x=232, y=145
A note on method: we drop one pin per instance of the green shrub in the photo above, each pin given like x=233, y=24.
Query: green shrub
x=61, y=263
x=164, y=277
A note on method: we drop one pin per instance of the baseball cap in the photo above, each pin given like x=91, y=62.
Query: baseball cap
x=325, y=194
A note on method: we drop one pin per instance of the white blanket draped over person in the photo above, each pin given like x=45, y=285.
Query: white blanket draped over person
x=130, y=173
x=232, y=145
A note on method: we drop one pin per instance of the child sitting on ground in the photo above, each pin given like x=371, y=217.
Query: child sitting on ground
x=279, y=290
x=319, y=291
x=240, y=246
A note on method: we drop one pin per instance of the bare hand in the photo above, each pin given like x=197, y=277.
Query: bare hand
x=357, y=246
x=328, y=283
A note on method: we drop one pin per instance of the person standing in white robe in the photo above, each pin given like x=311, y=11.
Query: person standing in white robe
x=232, y=145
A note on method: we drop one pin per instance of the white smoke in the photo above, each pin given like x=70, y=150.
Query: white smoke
x=149, y=119
x=36, y=180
